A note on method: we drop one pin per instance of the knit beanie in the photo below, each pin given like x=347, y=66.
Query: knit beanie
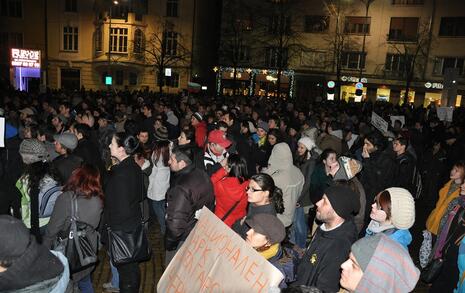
x=402, y=208
x=197, y=116
x=307, y=142
x=263, y=125
x=67, y=139
x=385, y=264
x=14, y=238
x=32, y=151
x=344, y=201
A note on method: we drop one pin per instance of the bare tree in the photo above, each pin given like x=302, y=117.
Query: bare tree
x=164, y=48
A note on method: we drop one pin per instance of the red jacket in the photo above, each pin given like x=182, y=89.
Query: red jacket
x=228, y=190
x=201, y=134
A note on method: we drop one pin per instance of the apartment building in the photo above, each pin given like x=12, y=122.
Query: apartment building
x=117, y=44
x=389, y=45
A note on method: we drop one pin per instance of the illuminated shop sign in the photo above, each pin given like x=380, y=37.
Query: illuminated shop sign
x=25, y=58
x=354, y=79
x=434, y=85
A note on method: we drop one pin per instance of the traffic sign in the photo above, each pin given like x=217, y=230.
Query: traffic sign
x=331, y=84
x=359, y=85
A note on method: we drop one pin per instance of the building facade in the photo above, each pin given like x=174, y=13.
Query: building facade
x=100, y=44
x=388, y=45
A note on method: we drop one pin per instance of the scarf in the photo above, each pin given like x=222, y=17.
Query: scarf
x=270, y=252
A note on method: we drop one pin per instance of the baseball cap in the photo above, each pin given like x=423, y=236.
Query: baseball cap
x=219, y=137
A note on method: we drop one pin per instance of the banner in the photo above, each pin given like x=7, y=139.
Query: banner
x=378, y=122
x=215, y=259
x=445, y=113
x=400, y=118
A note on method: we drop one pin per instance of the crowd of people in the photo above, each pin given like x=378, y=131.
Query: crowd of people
x=316, y=189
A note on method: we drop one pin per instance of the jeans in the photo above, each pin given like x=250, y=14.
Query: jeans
x=114, y=276
x=85, y=285
x=299, y=229
x=160, y=210
x=129, y=278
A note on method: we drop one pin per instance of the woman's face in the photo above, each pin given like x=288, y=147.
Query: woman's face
x=182, y=140
x=330, y=160
x=256, y=195
x=377, y=214
x=351, y=273
x=256, y=240
x=114, y=148
x=261, y=133
x=456, y=173
x=301, y=149
x=272, y=139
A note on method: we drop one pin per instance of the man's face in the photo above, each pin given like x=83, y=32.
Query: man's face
x=368, y=146
x=227, y=119
x=325, y=212
x=146, y=111
x=216, y=148
x=143, y=137
x=398, y=147
x=194, y=121
x=56, y=122
x=272, y=124
x=63, y=110
x=59, y=148
x=351, y=273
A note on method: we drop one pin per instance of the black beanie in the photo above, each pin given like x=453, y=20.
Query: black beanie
x=344, y=201
x=14, y=239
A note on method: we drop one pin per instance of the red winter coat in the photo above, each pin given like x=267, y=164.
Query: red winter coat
x=201, y=134
x=228, y=190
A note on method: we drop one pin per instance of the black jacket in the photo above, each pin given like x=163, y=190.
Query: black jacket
x=405, y=167
x=89, y=153
x=65, y=165
x=124, y=191
x=320, y=265
x=191, y=191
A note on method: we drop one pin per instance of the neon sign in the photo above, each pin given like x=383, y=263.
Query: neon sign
x=25, y=58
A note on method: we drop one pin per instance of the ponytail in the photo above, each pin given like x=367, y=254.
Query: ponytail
x=277, y=199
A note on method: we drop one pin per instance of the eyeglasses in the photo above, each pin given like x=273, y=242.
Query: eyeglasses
x=251, y=189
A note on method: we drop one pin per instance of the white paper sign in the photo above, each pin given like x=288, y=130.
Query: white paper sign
x=2, y=132
x=215, y=259
x=445, y=113
x=378, y=122
x=400, y=118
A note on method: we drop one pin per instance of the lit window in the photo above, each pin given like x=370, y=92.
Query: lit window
x=119, y=40
x=138, y=41
x=357, y=25
x=353, y=60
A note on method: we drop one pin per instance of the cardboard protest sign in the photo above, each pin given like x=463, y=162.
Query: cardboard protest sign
x=378, y=122
x=445, y=113
x=400, y=118
x=215, y=259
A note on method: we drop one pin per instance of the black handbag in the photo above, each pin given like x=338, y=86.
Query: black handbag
x=76, y=242
x=129, y=246
x=432, y=270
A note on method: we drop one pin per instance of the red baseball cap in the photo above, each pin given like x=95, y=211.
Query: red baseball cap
x=219, y=137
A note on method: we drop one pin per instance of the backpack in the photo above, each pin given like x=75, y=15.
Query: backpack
x=48, y=194
x=417, y=184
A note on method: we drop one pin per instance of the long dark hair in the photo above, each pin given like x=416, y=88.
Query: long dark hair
x=161, y=148
x=238, y=167
x=266, y=183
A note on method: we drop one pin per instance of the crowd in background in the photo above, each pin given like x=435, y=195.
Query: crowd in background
x=314, y=187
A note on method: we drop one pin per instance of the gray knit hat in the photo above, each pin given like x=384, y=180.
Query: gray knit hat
x=32, y=151
x=67, y=139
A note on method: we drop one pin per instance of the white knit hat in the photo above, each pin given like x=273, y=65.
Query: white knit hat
x=402, y=208
x=307, y=142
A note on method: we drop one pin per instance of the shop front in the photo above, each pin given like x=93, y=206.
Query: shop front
x=25, y=69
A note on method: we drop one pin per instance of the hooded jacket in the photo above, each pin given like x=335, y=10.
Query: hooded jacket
x=287, y=177
x=320, y=265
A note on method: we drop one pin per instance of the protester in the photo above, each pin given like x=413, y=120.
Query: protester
x=379, y=264
x=190, y=191
x=331, y=243
x=229, y=186
x=27, y=266
x=84, y=186
x=215, y=151
x=66, y=162
x=200, y=129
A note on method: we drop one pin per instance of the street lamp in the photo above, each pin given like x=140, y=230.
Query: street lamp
x=115, y=2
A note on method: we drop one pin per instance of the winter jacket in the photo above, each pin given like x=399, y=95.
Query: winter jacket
x=201, y=134
x=65, y=165
x=89, y=153
x=405, y=167
x=401, y=236
x=159, y=181
x=329, y=141
x=261, y=154
x=212, y=161
x=307, y=168
x=321, y=264
x=228, y=191
x=287, y=177
x=89, y=211
x=318, y=183
x=124, y=191
x=191, y=191
x=446, y=195
x=241, y=228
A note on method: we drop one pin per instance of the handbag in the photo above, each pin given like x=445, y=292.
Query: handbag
x=129, y=246
x=432, y=270
x=76, y=242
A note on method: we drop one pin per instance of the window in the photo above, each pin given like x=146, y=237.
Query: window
x=119, y=11
x=279, y=25
x=452, y=27
x=119, y=79
x=119, y=40
x=441, y=63
x=357, y=25
x=173, y=80
x=397, y=62
x=403, y=29
x=313, y=58
x=274, y=55
x=353, y=60
x=70, y=38
x=172, y=8
x=132, y=78
x=98, y=39
x=70, y=79
x=138, y=41
x=408, y=2
x=11, y=8
x=171, y=43
x=316, y=23
x=241, y=53
x=71, y=5
x=244, y=24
